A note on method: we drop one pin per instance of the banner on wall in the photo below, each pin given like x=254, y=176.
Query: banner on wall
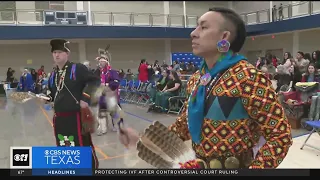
x=186, y=57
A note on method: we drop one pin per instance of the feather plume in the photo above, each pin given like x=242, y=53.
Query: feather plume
x=163, y=143
x=105, y=53
x=150, y=157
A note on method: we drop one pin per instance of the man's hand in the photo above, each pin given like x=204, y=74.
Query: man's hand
x=128, y=137
x=83, y=104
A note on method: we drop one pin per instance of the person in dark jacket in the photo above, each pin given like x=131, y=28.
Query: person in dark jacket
x=10, y=77
x=70, y=89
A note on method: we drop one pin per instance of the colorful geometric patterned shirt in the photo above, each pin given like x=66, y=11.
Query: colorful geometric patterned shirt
x=242, y=107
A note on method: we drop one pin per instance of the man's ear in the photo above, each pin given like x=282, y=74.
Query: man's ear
x=227, y=36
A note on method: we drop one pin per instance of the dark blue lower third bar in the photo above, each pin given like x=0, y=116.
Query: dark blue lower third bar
x=62, y=172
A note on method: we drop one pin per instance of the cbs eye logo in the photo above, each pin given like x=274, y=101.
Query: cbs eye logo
x=20, y=157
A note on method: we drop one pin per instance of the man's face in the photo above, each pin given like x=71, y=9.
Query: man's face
x=207, y=34
x=103, y=64
x=60, y=56
x=299, y=56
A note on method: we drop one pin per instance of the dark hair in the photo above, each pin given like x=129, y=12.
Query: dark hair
x=289, y=56
x=175, y=75
x=268, y=58
x=315, y=60
x=301, y=53
x=236, y=20
x=315, y=69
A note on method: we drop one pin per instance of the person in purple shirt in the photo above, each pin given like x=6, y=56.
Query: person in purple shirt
x=111, y=80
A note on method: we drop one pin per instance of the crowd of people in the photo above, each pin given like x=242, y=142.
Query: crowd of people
x=304, y=67
x=30, y=79
x=223, y=90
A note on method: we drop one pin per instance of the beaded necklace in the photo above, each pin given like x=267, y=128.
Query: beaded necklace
x=60, y=84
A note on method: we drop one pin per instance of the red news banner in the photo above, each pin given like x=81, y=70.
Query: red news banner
x=203, y=172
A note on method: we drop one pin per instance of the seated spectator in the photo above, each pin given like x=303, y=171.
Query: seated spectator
x=260, y=62
x=176, y=65
x=121, y=73
x=283, y=76
x=264, y=69
x=296, y=75
x=183, y=66
x=172, y=88
x=316, y=59
x=268, y=64
x=192, y=68
x=311, y=75
x=129, y=75
x=160, y=85
x=301, y=62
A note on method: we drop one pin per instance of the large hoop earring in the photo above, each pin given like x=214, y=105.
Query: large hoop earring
x=223, y=46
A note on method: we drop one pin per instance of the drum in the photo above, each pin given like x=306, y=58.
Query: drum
x=307, y=89
x=87, y=120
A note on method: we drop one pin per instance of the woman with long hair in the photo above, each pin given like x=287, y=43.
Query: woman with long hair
x=286, y=57
x=315, y=58
x=311, y=75
x=160, y=85
x=9, y=75
x=172, y=88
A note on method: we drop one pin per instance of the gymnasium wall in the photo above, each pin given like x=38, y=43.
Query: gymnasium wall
x=125, y=53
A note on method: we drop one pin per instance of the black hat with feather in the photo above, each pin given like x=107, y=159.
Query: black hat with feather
x=59, y=44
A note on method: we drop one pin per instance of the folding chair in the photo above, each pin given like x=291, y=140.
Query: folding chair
x=315, y=124
x=176, y=103
x=128, y=90
x=123, y=86
x=143, y=95
x=133, y=91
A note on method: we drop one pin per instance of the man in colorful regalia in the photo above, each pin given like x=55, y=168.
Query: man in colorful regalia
x=230, y=104
x=110, y=81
